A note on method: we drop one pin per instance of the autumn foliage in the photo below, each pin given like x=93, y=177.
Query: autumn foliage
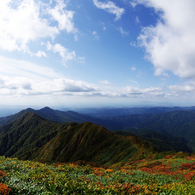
x=172, y=174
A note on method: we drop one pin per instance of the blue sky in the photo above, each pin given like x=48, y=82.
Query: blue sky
x=97, y=53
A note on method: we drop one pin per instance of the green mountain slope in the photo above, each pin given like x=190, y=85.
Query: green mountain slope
x=163, y=142
x=28, y=132
x=91, y=142
x=33, y=137
x=177, y=123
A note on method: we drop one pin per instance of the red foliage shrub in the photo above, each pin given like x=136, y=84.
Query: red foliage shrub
x=150, y=165
x=188, y=176
x=185, y=166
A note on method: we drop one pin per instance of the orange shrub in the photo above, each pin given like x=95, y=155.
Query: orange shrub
x=188, y=176
x=4, y=189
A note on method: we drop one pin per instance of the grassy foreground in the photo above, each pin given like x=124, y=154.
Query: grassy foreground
x=173, y=174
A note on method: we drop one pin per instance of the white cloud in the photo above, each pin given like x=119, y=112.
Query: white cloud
x=22, y=25
x=63, y=52
x=63, y=17
x=105, y=83
x=65, y=85
x=49, y=45
x=81, y=59
x=133, y=4
x=137, y=19
x=128, y=92
x=40, y=54
x=137, y=91
x=95, y=34
x=22, y=87
x=184, y=91
x=110, y=7
x=170, y=44
x=9, y=85
x=28, y=22
x=12, y=67
x=33, y=80
x=133, y=68
x=185, y=87
x=61, y=87
x=122, y=31
x=37, y=80
x=76, y=37
x=17, y=86
x=133, y=44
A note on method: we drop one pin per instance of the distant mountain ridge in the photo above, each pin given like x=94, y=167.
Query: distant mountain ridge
x=176, y=123
x=163, y=142
x=62, y=117
x=171, y=122
x=114, y=112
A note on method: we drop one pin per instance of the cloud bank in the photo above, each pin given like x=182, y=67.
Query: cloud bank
x=170, y=44
x=42, y=81
x=28, y=22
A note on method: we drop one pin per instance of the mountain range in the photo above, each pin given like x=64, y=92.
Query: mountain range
x=53, y=135
x=32, y=137
x=177, y=123
x=63, y=117
x=121, y=111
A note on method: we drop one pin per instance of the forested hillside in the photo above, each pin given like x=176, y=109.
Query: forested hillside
x=178, y=124
x=33, y=137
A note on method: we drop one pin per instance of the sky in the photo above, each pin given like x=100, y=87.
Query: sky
x=97, y=53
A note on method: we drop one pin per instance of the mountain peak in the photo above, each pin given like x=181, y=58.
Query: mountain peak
x=30, y=110
x=46, y=108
